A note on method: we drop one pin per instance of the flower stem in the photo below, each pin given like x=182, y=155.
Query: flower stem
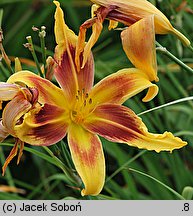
x=191, y=48
x=159, y=182
x=32, y=50
x=171, y=56
x=64, y=168
x=1, y=17
x=42, y=35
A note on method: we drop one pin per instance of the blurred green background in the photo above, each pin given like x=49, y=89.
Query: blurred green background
x=162, y=176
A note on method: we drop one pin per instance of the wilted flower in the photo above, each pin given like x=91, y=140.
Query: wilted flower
x=143, y=19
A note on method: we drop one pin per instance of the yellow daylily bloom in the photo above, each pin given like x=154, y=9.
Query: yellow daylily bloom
x=84, y=111
x=143, y=19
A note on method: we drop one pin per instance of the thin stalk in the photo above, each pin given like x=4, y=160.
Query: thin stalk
x=42, y=35
x=1, y=17
x=161, y=183
x=166, y=104
x=64, y=168
x=125, y=164
x=174, y=58
x=31, y=48
x=191, y=48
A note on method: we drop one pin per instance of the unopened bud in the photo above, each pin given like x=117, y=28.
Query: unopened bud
x=35, y=29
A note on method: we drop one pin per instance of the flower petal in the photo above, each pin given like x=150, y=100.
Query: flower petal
x=12, y=154
x=68, y=76
x=48, y=92
x=64, y=74
x=120, y=124
x=8, y=91
x=138, y=10
x=88, y=157
x=120, y=86
x=3, y=132
x=43, y=125
x=13, y=111
x=139, y=45
x=64, y=36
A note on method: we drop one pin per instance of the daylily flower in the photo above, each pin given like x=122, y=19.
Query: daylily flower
x=85, y=112
x=143, y=19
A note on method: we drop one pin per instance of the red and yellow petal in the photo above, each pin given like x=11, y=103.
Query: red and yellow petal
x=88, y=158
x=139, y=45
x=48, y=92
x=43, y=125
x=120, y=124
x=70, y=78
x=120, y=86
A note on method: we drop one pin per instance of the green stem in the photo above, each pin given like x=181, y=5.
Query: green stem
x=31, y=48
x=167, y=104
x=171, y=56
x=161, y=183
x=191, y=48
x=42, y=35
x=125, y=164
x=1, y=17
x=64, y=168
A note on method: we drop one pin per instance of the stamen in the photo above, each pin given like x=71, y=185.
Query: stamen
x=90, y=101
x=74, y=113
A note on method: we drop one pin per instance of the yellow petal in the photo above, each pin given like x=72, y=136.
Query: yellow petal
x=122, y=85
x=88, y=158
x=64, y=36
x=139, y=45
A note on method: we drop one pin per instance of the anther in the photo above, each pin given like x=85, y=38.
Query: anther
x=90, y=101
x=74, y=113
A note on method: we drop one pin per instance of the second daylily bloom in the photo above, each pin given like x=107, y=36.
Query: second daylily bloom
x=143, y=19
x=84, y=112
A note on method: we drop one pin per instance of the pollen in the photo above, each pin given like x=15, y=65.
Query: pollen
x=81, y=107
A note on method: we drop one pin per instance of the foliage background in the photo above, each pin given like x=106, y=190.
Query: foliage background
x=162, y=176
